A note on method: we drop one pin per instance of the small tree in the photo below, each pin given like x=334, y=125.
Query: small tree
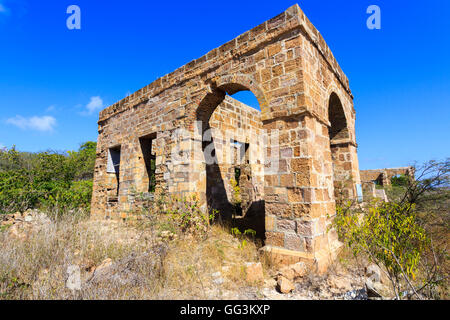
x=432, y=178
x=389, y=234
x=399, y=236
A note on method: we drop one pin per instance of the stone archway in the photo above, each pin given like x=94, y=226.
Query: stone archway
x=338, y=130
x=339, y=139
x=343, y=150
x=222, y=123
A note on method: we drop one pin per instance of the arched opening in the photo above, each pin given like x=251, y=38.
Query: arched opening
x=229, y=120
x=338, y=130
x=340, y=153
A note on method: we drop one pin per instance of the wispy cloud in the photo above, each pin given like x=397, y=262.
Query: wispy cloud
x=43, y=124
x=94, y=105
x=3, y=9
x=2, y=146
x=51, y=108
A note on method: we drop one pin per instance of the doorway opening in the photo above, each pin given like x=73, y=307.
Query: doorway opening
x=234, y=161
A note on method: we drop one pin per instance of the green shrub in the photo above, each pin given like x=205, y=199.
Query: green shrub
x=46, y=179
x=399, y=181
x=390, y=236
x=77, y=196
x=187, y=215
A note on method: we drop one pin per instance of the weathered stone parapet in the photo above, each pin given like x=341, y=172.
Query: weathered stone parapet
x=288, y=25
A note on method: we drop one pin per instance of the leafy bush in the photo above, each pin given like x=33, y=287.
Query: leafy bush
x=189, y=218
x=236, y=198
x=182, y=216
x=77, y=196
x=46, y=179
x=399, y=181
x=389, y=234
x=407, y=236
x=248, y=234
x=236, y=192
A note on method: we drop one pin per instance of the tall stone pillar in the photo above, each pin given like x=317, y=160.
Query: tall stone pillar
x=298, y=197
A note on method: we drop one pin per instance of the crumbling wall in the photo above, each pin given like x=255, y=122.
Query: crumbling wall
x=383, y=176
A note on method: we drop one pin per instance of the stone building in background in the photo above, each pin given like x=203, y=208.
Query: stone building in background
x=370, y=179
x=382, y=177
x=176, y=135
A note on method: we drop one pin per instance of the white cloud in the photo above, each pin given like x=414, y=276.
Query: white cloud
x=2, y=146
x=95, y=104
x=44, y=124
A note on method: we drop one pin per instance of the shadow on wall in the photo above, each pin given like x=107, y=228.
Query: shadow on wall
x=254, y=219
x=216, y=188
x=217, y=199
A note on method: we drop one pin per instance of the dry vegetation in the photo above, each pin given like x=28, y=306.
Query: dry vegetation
x=146, y=257
x=170, y=250
x=120, y=260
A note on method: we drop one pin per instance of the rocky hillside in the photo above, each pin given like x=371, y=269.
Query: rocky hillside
x=78, y=258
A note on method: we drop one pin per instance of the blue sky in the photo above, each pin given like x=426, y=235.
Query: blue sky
x=53, y=81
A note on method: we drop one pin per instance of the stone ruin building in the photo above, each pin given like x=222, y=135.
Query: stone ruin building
x=288, y=158
x=382, y=177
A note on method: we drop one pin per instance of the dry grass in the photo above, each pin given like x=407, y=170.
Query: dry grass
x=34, y=263
x=150, y=259
x=190, y=265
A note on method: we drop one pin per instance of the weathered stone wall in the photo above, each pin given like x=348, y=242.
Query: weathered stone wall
x=234, y=121
x=383, y=176
x=231, y=120
x=306, y=104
